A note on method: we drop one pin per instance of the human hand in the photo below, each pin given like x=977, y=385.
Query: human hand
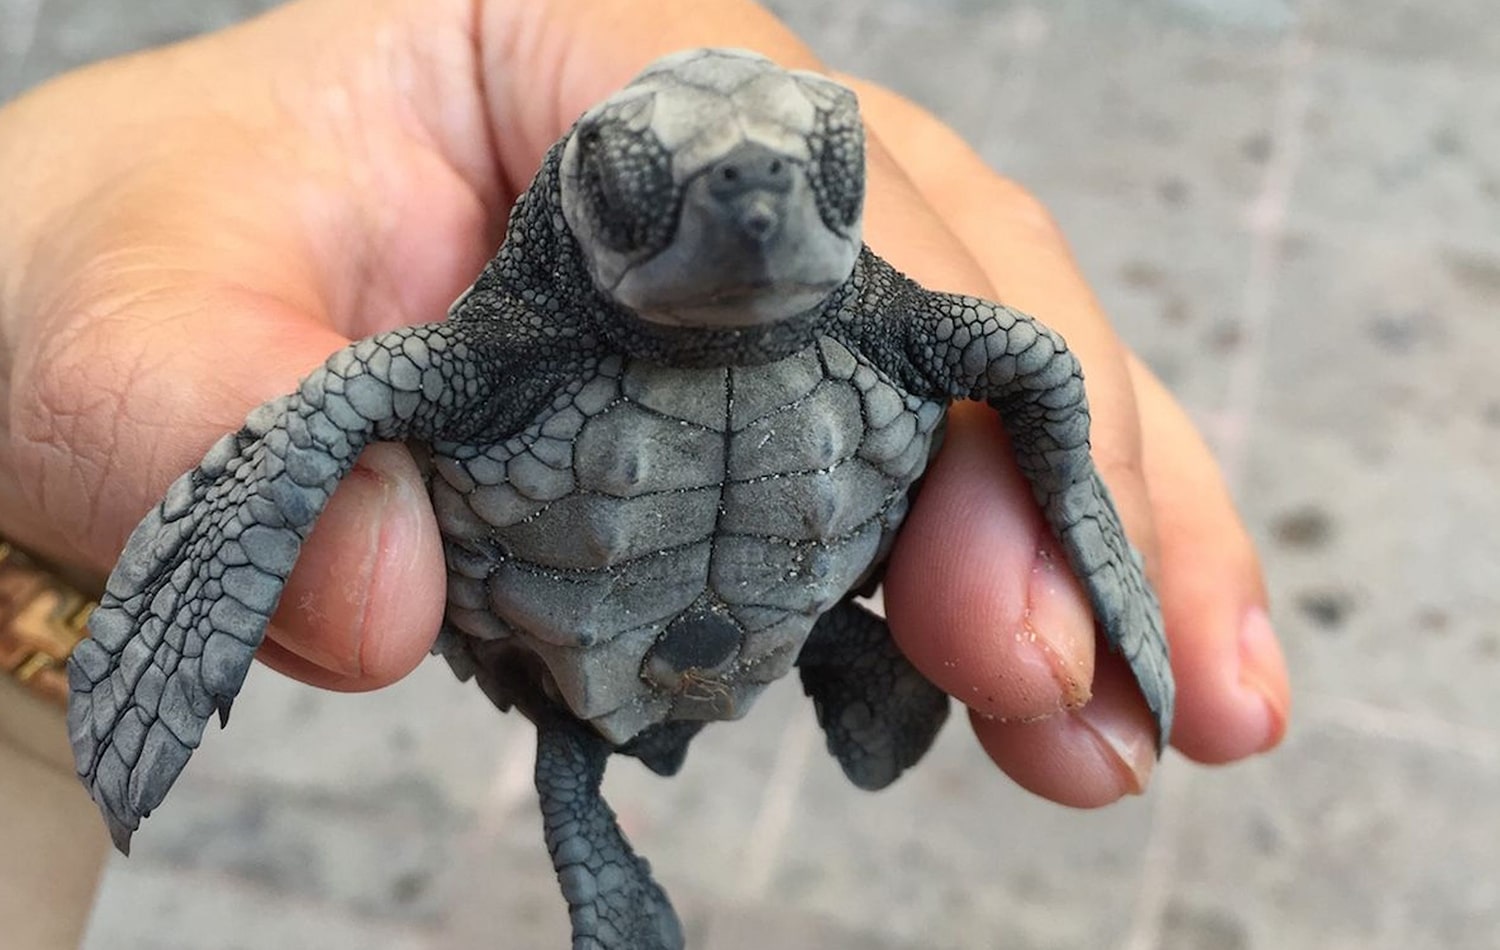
x=192, y=230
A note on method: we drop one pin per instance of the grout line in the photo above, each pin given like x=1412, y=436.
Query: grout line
x=1267, y=225
x=1368, y=719
x=768, y=832
x=1230, y=431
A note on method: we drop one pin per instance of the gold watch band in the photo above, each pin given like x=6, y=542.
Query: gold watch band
x=42, y=618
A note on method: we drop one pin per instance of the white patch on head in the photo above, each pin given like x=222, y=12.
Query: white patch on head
x=698, y=122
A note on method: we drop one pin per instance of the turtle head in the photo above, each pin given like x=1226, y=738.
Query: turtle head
x=718, y=190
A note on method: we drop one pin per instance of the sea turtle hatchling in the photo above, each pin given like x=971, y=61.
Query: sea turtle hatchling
x=670, y=433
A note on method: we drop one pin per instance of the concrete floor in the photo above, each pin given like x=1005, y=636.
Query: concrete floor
x=1292, y=209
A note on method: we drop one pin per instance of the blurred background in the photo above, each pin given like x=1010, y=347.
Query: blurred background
x=1292, y=209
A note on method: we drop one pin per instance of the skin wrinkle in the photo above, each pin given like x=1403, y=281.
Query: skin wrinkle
x=385, y=222
x=174, y=248
x=456, y=258
x=341, y=191
x=46, y=384
x=377, y=293
x=501, y=194
x=1073, y=669
x=334, y=192
x=110, y=325
x=524, y=40
x=45, y=424
x=120, y=340
x=463, y=135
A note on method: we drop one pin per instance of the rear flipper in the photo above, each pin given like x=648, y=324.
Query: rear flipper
x=612, y=900
x=880, y=715
x=663, y=747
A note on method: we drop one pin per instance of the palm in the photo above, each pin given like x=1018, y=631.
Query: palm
x=376, y=195
x=309, y=204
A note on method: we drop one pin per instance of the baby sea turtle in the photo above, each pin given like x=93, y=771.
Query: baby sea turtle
x=670, y=434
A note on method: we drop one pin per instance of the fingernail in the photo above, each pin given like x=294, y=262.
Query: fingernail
x=345, y=546
x=1119, y=739
x=395, y=546
x=1060, y=626
x=1263, y=670
x=364, y=523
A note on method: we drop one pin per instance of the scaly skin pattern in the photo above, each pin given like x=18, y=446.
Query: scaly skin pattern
x=671, y=432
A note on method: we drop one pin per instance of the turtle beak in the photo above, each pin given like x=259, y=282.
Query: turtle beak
x=750, y=247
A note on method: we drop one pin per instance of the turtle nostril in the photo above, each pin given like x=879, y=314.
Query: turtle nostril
x=758, y=224
x=750, y=168
x=759, y=220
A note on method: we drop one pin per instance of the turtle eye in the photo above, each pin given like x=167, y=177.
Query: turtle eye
x=625, y=183
x=837, y=172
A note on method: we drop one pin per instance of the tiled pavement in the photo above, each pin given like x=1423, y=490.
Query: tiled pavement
x=1292, y=209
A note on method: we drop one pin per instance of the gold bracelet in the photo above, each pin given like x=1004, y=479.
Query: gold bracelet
x=42, y=618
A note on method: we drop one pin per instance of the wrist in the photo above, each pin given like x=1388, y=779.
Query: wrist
x=42, y=618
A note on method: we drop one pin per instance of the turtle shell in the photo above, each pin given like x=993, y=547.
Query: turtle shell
x=663, y=539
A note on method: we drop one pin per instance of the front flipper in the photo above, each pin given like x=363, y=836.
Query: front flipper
x=189, y=600
x=880, y=715
x=971, y=348
x=612, y=900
